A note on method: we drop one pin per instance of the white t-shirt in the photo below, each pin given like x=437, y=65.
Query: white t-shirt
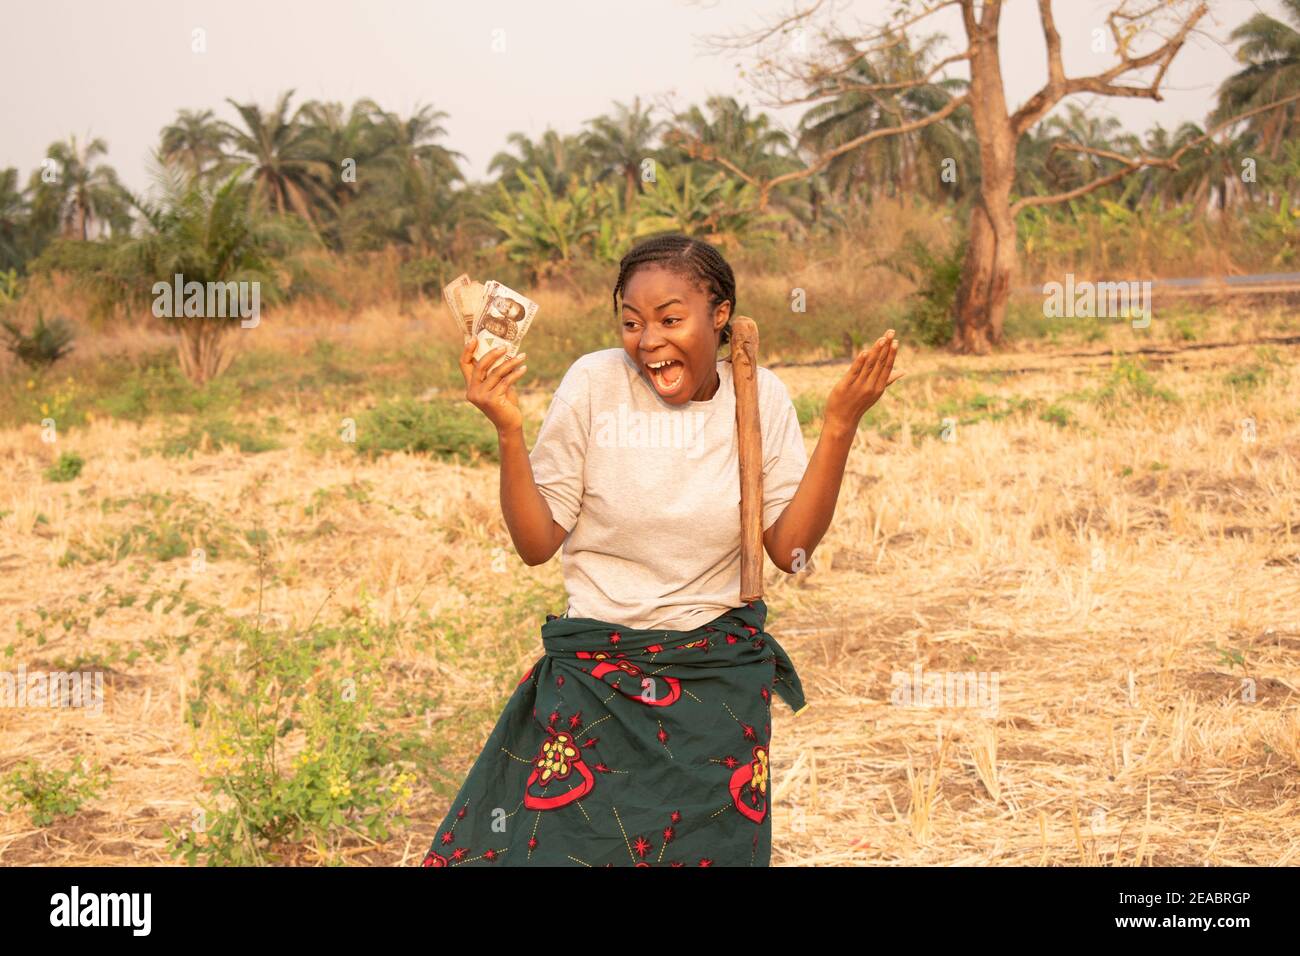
x=650, y=492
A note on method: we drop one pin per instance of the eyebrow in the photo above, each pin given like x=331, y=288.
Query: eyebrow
x=661, y=305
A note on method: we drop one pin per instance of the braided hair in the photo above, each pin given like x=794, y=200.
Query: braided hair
x=693, y=258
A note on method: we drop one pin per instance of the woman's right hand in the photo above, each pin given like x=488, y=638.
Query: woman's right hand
x=493, y=392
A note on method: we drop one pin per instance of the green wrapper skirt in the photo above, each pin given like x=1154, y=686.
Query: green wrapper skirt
x=629, y=747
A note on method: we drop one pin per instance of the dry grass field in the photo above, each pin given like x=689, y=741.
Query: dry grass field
x=1115, y=537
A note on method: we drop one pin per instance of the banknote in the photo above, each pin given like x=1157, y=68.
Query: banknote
x=470, y=299
x=503, y=318
x=451, y=295
x=453, y=307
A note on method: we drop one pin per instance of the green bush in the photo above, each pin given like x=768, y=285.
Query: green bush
x=444, y=428
x=424, y=276
x=1130, y=379
x=1057, y=414
x=50, y=794
x=165, y=527
x=350, y=773
x=1249, y=377
x=45, y=345
x=158, y=387
x=66, y=468
x=809, y=408
x=937, y=276
x=1185, y=328
x=216, y=432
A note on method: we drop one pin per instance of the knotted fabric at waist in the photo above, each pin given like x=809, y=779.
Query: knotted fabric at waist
x=734, y=637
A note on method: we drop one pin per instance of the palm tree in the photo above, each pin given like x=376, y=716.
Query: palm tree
x=1270, y=48
x=278, y=148
x=207, y=233
x=1155, y=183
x=411, y=199
x=732, y=133
x=411, y=142
x=83, y=192
x=728, y=132
x=555, y=157
x=1034, y=162
x=1083, y=128
x=345, y=142
x=13, y=220
x=196, y=140
x=618, y=144
x=1211, y=169
x=895, y=161
x=1042, y=168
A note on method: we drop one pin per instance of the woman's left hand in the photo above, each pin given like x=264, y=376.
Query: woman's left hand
x=863, y=384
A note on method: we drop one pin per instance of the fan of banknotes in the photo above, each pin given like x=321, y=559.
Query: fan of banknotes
x=490, y=313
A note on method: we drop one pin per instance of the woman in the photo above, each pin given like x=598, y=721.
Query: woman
x=641, y=735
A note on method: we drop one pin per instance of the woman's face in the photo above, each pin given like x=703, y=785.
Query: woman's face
x=666, y=318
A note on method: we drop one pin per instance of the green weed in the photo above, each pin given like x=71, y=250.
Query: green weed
x=51, y=794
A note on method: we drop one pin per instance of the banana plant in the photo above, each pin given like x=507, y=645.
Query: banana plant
x=616, y=223
x=1278, y=230
x=720, y=209
x=1151, y=232
x=543, y=231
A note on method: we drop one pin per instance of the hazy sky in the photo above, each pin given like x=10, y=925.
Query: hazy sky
x=120, y=69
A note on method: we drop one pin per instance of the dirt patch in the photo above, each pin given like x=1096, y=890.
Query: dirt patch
x=1223, y=687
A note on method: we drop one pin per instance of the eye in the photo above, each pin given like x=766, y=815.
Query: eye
x=672, y=318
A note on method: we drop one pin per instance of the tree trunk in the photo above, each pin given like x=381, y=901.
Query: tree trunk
x=202, y=349
x=981, y=301
x=629, y=191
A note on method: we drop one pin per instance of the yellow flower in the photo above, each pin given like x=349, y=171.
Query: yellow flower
x=340, y=786
x=90, y=416
x=31, y=383
x=45, y=408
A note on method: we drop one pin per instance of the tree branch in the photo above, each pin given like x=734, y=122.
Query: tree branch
x=1059, y=86
x=1134, y=163
x=697, y=149
x=775, y=73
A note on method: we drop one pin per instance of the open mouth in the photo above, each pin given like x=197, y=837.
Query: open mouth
x=667, y=376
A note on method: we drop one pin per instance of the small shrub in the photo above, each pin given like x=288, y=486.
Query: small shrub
x=170, y=527
x=45, y=345
x=298, y=745
x=50, y=794
x=66, y=468
x=440, y=427
x=1057, y=414
x=1129, y=379
x=1250, y=377
x=159, y=388
x=213, y=432
x=937, y=277
x=809, y=408
x=424, y=276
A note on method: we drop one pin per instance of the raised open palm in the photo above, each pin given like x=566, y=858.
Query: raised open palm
x=870, y=374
